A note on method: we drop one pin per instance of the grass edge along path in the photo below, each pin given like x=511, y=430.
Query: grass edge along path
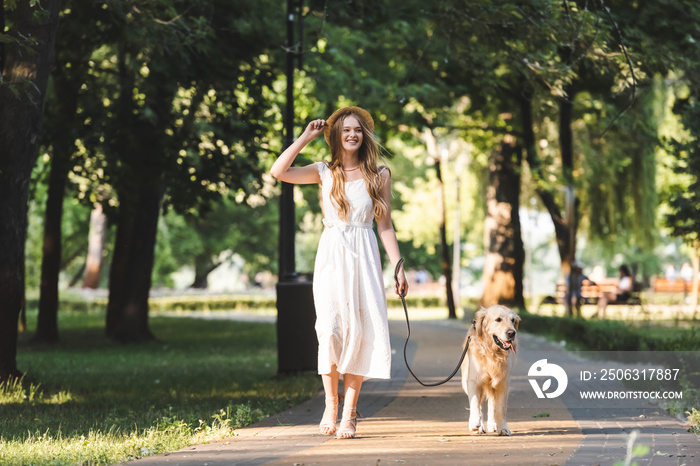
x=90, y=401
x=620, y=336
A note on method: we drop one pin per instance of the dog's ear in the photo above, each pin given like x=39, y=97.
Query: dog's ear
x=479, y=321
x=517, y=321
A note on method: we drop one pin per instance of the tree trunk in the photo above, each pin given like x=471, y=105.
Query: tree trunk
x=444, y=248
x=431, y=146
x=505, y=254
x=96, y=242
x=561, y=228
x=47, y=319
x=20, y=121
x=63, y=144
x=203, y=266
x=564, y=228
x=566, y=145
x=132, y=266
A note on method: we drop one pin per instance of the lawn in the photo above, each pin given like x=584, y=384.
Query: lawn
x=92, y=401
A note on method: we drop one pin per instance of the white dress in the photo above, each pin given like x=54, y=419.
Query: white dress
x=351, y=312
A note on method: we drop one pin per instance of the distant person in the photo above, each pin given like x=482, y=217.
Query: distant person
x=620, y=295
x=597, y=274
x=686, y=272
x=670, y=273
x=579, y=279
x=348, y=287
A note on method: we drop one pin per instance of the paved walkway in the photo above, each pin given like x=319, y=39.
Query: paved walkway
x=405, y=423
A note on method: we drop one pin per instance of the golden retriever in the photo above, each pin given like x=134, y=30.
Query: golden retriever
x=486, y=368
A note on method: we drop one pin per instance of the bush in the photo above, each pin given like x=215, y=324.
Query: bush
x=607, y=335
x=76, y=303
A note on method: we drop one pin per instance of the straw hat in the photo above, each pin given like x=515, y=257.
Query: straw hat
x=364, y=114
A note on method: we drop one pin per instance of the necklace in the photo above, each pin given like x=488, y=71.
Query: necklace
x=351, y=169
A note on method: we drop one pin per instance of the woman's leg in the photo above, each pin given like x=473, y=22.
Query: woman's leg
x=353, y=384
x=330, y=415
x=603, y=301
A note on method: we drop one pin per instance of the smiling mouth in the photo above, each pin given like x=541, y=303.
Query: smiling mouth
x=504, y=345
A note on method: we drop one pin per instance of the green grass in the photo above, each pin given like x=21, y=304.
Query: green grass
x=90, y=401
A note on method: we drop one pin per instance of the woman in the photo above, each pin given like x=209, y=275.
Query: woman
x=351, y=314
x=621, y=294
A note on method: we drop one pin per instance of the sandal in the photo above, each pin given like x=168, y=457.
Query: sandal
x=348, y=424
x=330, y=416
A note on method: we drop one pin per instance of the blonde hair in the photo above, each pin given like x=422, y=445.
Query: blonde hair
x=368, y=155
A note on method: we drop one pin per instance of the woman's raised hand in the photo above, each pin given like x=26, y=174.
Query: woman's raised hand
x=315, y=128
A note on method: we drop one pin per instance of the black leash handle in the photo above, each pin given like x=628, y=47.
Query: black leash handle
x=408, y=327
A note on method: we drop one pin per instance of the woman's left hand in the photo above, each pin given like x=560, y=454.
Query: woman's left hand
x=401, y=288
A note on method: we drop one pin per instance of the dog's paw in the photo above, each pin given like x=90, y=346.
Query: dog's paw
x=504, y=431
x=491, y=427
x=476, y=428
x=476, y=424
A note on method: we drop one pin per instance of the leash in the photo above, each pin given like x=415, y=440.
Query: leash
x=408, y=327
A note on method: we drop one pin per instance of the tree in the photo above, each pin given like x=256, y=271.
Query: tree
x=204, y=241
x=26, y=56
x=684, y=199
x=75, y=46
x=184, y=134
x=446, y=266
x=505, y=256
x=684, y=220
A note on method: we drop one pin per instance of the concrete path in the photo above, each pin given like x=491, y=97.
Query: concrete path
x=405, y=423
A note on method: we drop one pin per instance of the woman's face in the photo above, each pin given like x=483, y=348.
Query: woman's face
x=351, y=134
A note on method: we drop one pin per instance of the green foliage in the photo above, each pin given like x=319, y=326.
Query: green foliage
x=694, y=420
x=75, y=225
x=204, y=240
x=155, y=78
x=609, y=335
x=100, y=403
x=619, y=176
x=684, y=202
x=208, y=303
x=634, y=450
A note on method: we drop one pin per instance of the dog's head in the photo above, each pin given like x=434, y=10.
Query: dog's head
x=498, y=326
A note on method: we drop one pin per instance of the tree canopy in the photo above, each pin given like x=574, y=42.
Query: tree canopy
x=173, y=107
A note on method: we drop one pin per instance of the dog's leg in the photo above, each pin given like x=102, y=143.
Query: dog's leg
x=474, y=397
x=475, y=409
x=497, y=412
x=491, y=420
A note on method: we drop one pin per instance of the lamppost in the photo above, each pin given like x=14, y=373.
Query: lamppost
x=297, y=347
x=287, y=224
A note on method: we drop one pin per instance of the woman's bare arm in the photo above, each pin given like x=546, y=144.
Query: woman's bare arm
x=387, y=235
x=282, y=168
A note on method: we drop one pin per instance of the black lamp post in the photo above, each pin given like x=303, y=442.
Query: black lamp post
x=297, y=346
x=287, y=267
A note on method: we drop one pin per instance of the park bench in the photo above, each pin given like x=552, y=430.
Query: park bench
x=590, y=293
x=664, y=285
x=671, y=295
